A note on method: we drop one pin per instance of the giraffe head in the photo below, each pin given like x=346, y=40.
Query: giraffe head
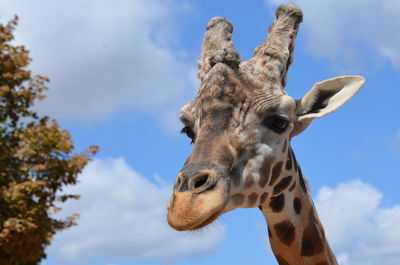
x=241, y=122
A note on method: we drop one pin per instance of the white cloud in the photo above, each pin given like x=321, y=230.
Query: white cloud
x=123, y=216
x=103, y=57
x=360, y=230
x=352, y=33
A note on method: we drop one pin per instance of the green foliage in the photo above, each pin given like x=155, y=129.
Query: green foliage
x=36, y=160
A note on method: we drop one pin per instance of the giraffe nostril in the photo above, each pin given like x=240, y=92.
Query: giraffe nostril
x=199, y=178
x=180, y=181
x=200, y=181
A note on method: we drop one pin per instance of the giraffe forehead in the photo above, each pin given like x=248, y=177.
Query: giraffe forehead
x=211, y=109
x=222, y=105
x=209, y=104
x=225, y=89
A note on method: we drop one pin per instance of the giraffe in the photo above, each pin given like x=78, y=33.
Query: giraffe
x=241, y=123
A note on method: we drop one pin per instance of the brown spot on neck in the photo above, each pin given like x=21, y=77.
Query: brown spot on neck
x=277, y=203
x=252, y=199
x=263, y=198
x=312, y=242
x=293, y=186
x=265, y=171
x=276, y=172
x=285, y=231
x=302, y=182
x=282, y=185
x=297, y=205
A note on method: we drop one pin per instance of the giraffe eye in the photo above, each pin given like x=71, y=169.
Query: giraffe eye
x=276, y=123
x=189, y=132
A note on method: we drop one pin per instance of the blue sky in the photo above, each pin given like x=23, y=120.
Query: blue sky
x=121, y=70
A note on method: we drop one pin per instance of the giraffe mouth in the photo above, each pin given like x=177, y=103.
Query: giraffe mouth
x=208, y=221
x=189, y=210
x=192, y=223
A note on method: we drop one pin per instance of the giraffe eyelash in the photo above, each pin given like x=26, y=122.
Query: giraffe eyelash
x=189, y=133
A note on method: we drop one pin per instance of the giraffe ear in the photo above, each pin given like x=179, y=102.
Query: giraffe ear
x=324, y=98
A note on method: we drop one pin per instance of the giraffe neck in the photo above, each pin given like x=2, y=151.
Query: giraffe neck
x=295, y=232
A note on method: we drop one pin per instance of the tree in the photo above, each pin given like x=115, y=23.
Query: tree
x=36, y=160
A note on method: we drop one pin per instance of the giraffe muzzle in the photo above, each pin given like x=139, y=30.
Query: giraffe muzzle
x=200, y=194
